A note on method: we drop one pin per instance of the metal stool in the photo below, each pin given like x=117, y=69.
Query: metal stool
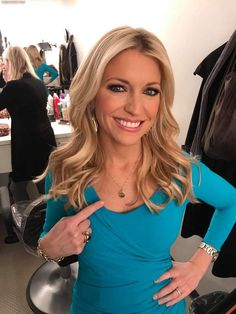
x=203, y=304
x=49, y=290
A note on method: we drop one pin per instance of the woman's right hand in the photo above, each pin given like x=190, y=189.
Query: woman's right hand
x=66, y=237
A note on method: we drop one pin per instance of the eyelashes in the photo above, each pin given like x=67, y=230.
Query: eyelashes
x=117, y=88
x=152, y=91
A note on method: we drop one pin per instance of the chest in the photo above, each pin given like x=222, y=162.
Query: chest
x=120, y=199
x=136, y=233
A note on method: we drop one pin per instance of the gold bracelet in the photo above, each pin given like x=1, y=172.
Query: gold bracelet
x=209, y=250
x=41, y=253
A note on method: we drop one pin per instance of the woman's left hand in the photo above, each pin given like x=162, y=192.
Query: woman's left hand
x=185, y=278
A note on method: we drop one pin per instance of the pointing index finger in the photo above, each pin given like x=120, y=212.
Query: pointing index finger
x=87, y=211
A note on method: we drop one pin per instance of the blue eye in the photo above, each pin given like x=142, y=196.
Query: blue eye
x=152, y=91
x=116, y=88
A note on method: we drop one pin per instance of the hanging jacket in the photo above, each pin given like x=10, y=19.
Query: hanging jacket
x=68, y=63
x=224, y=59
x=197, y=216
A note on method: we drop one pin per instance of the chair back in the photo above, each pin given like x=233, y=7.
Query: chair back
x=28, y=217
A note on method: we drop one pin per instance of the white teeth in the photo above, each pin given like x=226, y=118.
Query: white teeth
x=129, y=124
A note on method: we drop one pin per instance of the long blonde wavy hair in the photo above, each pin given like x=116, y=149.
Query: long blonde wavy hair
x=34, y=56
x=80, y=162
x=19, y=62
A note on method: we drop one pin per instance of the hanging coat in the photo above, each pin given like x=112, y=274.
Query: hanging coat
x=68, y=63
x=197, y=216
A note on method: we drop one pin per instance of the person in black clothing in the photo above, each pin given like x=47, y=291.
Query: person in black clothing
x=32, y=137
x=2, y=82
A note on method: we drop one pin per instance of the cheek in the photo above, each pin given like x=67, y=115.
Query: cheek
x=152, y=110
x=102, y=107
x=106, y=103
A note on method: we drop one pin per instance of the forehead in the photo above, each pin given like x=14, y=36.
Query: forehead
x=132, y=63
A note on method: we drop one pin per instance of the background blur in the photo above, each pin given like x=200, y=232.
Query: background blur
x=190, y=30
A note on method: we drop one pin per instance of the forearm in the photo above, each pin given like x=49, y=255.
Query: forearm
x=54, y=76
x=201, y=260
x=48, y=246
x=220, y=226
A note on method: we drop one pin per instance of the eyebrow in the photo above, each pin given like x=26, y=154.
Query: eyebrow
x=127, y=82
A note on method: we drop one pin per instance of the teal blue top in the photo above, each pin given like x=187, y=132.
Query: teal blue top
x=46, y=68
x=128, y=251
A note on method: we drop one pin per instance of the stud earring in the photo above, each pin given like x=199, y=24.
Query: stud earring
x=95, y=124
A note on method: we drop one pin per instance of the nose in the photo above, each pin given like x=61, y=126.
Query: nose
x=134, y=104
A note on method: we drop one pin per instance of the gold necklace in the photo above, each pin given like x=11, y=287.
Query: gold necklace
x=121, y=192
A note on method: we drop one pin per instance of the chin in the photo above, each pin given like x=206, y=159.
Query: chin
x=128, y=141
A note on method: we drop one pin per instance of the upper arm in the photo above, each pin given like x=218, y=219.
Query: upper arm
x=212, y=188
x=53, y=73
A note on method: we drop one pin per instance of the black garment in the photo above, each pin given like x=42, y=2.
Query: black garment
x=2, y=82
x=215, y=75
x=32, y=137
x=68, y=63
x=203, y=70
x=197, y=216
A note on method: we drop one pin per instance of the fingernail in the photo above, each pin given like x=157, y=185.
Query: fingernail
x=156, y=281
x=155, y=297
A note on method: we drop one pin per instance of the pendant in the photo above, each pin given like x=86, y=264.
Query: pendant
x=121, y=194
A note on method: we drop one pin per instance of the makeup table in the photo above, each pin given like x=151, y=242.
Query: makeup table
x=62, y=133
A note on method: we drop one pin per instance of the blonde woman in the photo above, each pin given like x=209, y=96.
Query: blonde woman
x=39, y=65
x=25, y=98
x=118, y=190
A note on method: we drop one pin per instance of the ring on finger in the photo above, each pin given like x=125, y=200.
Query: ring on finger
x=87, y=236
x=178, y=291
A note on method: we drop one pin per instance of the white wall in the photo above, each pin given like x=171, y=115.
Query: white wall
x=189, y=29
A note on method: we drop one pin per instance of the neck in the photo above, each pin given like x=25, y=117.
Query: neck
x=116, y=153
x=122, y=157
x=122, y=176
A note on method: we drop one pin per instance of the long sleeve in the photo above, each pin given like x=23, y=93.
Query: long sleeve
x=46, y=68
x=55, y=209
x=2, y=81
x=217, y=192
x=7, y=96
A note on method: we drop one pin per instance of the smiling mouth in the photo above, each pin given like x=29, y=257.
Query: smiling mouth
x=129, y=124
